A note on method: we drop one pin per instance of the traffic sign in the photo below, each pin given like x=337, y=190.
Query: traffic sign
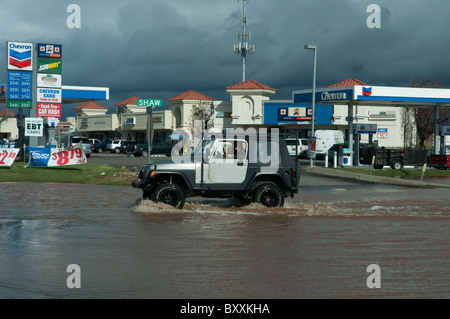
x=149, y=102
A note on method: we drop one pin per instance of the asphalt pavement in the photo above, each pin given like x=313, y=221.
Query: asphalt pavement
x=136, y=163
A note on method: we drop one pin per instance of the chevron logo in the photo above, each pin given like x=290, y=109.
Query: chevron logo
x=20, y=56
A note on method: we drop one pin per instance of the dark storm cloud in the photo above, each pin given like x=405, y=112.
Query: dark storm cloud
x=159, y=49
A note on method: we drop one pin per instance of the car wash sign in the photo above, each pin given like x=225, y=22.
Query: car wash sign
x=19, y=56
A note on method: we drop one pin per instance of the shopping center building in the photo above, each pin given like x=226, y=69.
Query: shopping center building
x=249, y=106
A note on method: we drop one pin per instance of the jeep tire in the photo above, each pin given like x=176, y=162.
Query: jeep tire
x=170, y=194
x=269, y=195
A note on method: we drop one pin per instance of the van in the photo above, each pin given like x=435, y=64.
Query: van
x=325, y=139
x=302, y=147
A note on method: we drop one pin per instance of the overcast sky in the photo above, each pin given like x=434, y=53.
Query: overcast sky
x=160, y=48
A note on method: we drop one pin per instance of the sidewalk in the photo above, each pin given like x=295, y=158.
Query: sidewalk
x=322, y=171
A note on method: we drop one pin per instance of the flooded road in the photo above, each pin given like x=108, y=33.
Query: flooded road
x=318, y=246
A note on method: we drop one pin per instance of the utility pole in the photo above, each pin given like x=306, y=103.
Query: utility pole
x=243, y=47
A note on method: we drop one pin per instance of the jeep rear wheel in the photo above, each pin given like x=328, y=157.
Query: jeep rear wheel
x=170, y=194
x=269, y=195
x=144, y=153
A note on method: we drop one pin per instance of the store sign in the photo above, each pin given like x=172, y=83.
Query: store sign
x=20, y=86
x=49, y=80
x=48, y=109
x=49, y=95
x=49, y=50
x=333, y=96
x=19, y=56
x=7, y=156
x=295, y=114
x=383, y=115
x=34, y=126
x=46, y=65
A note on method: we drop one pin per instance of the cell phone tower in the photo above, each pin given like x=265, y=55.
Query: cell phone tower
x=243, y=47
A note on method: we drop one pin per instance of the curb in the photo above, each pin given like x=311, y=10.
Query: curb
x=370, y=178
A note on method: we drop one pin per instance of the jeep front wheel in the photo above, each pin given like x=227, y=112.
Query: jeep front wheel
x=269, y=195
x=170, y=194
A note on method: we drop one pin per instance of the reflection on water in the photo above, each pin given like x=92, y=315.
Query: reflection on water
x=318, y=246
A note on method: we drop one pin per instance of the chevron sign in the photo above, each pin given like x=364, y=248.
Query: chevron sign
x=20, y=56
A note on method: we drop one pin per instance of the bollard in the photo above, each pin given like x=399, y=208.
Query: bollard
x=423, y=171
x=326, y=159
x=335, y=159
x=373, y=162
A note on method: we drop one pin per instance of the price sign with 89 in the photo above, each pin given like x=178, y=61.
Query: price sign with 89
x=69, y=156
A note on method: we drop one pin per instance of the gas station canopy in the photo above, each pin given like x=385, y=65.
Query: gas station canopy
x=376, y=96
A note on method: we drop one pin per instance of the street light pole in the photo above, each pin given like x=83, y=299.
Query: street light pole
x=313, y=116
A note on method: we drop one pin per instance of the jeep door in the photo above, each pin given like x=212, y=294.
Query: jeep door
x=227, y=162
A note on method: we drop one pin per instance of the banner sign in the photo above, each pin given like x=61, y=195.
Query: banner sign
x=49, y=80
x=50, y=157
x=47, y=65
x=7, y=156
x=49, y=95
x=48, y=109
x=20, y=56
x=20, y=85
x=34, y=126
x=50, y=50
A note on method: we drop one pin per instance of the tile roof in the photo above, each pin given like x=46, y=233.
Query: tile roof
x=250, y=85
x=129, y=101
x=7, y=113
x=90, y=105
x=348, y=82
x=191, y=95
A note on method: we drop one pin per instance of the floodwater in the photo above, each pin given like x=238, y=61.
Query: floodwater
x=318, y=246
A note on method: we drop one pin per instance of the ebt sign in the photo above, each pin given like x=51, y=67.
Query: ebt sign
x=20, y=56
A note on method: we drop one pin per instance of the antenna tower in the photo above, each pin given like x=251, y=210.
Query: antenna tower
x=243, y=47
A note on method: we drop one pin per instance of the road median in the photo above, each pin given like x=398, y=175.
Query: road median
x=331, y=172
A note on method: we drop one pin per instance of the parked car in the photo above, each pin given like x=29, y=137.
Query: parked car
x=158, y=147
x=86, y=144
x=114, y=146
x=94, y=141
x=302, y=146
x=127, y=146
x=101, y=146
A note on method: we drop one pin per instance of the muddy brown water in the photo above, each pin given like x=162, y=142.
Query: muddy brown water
x=318, y=246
